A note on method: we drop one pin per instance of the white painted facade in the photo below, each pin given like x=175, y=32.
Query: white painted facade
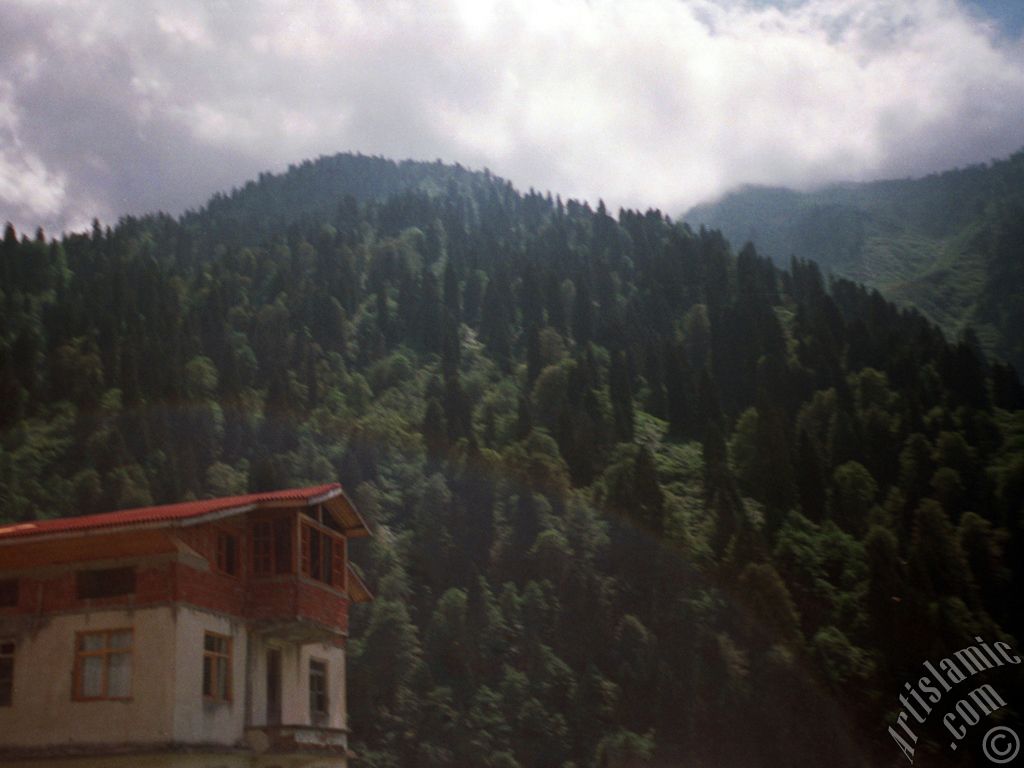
x=166, y=711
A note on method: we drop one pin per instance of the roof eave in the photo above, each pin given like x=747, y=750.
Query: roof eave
x=360, y=529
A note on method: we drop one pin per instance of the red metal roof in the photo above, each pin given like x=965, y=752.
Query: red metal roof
x=169, y=513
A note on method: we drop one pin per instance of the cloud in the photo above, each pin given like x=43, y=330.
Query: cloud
x=27, y=187
x=110, y=108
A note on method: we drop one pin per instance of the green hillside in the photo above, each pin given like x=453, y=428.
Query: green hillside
x=946, y=244
x=639, y=500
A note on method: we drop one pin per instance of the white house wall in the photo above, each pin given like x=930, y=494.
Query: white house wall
x=43, y=678
x=197, y=721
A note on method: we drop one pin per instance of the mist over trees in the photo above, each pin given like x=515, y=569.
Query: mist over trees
x=638, y=497
x=948, y=244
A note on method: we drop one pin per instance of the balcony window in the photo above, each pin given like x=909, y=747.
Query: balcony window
x=103, y=665
x=323, y=556
x=216, y=667
x=272, y=547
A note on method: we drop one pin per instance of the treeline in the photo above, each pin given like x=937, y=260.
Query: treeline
x=638, y=498
x=949, y=244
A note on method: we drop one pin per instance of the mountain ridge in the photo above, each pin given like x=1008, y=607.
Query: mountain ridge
x=933, y=242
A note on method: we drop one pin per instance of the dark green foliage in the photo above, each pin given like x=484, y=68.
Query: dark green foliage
x=950, y=244
x=641, y=500
x=621, y=395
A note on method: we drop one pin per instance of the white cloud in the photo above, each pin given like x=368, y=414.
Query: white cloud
x=27, y=187
x=124, y=107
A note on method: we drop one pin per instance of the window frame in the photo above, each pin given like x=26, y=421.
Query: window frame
x=215, y=656
x=273, y=547
x=337, y=575
x=227, y=543
x=86, y=580
x=4, y=656
x=77, y=693
x=319, y=715
x=10, y=593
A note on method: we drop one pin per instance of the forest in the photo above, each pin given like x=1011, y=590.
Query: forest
x=948, y=244
x=640, y=497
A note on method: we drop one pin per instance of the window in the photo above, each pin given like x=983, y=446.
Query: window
x=320, y=556
x=322, y=515
x=227, y=553
x=6, y=672
x=216, y=667
x=317, y=688
x=272, y=547
x=111, y=582
x=323, y=556
x=103, y=665
x=8, y=593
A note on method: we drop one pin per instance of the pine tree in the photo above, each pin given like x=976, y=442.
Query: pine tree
x=621, y=397
x=650, y=501
x=494, y=323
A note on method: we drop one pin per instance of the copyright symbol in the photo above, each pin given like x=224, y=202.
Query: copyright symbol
x=1000, y=745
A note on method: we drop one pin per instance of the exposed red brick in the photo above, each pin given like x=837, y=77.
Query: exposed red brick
x=244, y=597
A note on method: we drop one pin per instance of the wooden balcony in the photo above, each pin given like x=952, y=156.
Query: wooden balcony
x=296, y=609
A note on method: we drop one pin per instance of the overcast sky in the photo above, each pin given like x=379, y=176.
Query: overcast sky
x=109, y=108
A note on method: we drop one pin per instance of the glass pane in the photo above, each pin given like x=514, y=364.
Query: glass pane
x=283, y=546
x=120, y=640
x=9, y=592
x=6, y=681
x=92, y=676
x=207, y=676
x=317, y=687
x=92, y=642
x=223, y=680
x=216, y=644
x=328, y=560
x=314, y=555
x=119, y=678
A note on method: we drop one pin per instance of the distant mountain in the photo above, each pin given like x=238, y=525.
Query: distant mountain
x=335, y=185
x=949, y=244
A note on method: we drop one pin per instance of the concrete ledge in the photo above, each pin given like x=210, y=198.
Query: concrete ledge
x=297, y=739
x=116, y=750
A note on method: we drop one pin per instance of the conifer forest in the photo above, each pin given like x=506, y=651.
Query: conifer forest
x=641, y=496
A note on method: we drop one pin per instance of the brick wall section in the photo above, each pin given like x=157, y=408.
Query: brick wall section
x=154, y=585
x=272, y=598
x=224, y=594
x=285, y=597
x=29, y=591
x=322, y=606
x=276, y=598
x=58, y=593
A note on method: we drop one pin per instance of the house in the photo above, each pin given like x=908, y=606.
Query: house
x=209, y=634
